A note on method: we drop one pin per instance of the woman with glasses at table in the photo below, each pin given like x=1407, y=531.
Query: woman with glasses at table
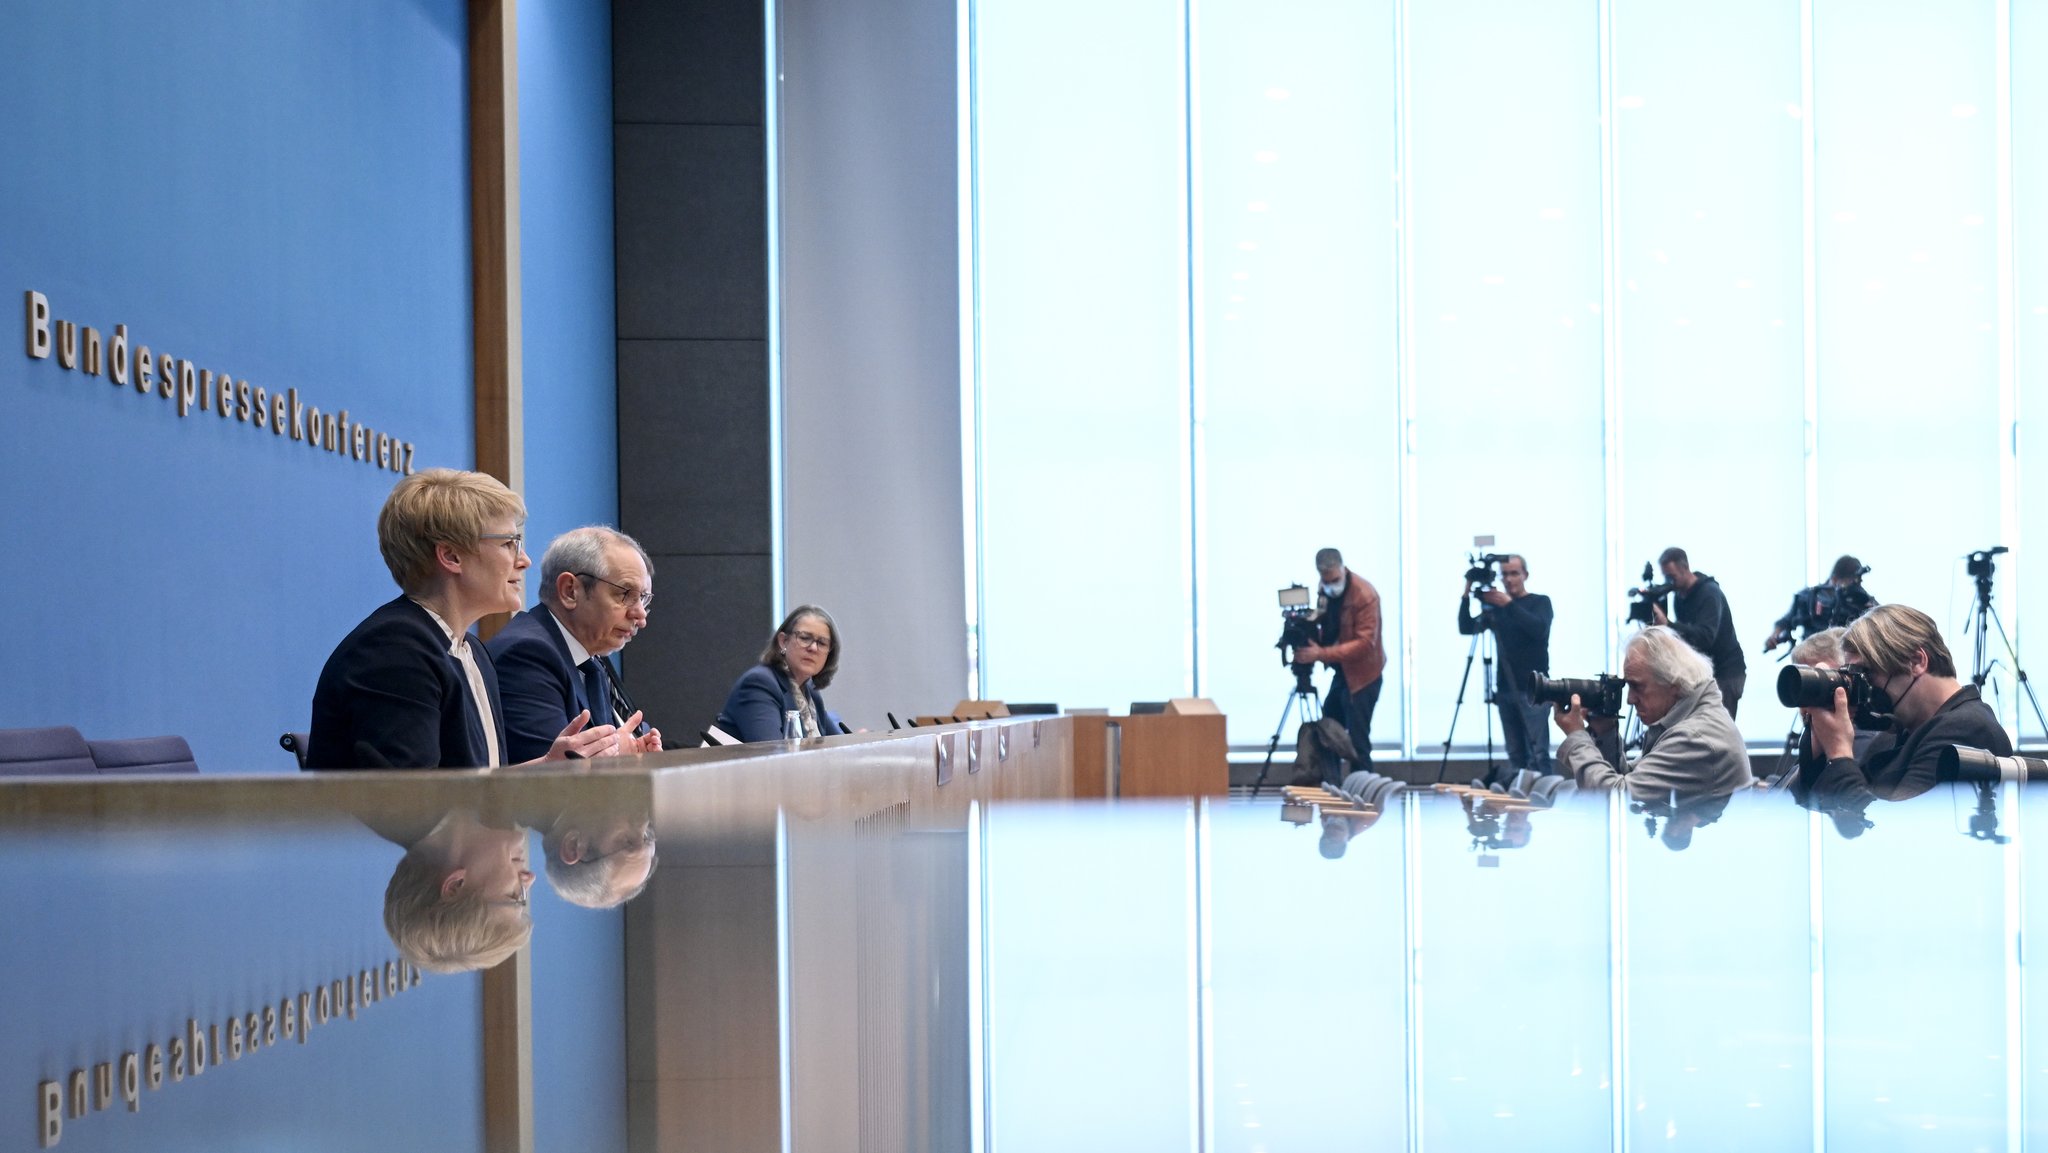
x=409, y=688
x=778, y=697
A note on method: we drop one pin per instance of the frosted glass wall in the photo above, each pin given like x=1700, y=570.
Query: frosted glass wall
x=1590, y=278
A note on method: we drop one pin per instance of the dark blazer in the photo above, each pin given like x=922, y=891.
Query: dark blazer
x=392, y=697
x=760, y=699
x=542, y=690
x=1897, y=766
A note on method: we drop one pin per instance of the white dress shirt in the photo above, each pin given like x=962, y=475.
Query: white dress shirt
x=458, y=647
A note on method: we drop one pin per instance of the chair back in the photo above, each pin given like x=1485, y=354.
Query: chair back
x=142, y=755
x=56, y=751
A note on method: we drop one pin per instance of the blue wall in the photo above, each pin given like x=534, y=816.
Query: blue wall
x=275, y=190
x=116, y=938
x=565, y=192
x=565, y=162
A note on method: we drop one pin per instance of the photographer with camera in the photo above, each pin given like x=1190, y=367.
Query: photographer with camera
x=1900, y=679
x=1691, y=747
x=1699, y=613
x=1348, y=612
x=1825, y=606
x=1520, y=622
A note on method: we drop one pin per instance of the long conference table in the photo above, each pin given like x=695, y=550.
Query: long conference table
x=926, y=941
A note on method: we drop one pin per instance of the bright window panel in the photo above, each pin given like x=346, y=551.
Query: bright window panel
x=1906, y=243
x=1711, y=308
x=1913, y=1066
x=1718, y=914
x=1297, y=285
x=1273, y=958
x=1090, y=996
x=1081, y=127
x=1514, y=1012
x=1504, y=113
x=2030, y=250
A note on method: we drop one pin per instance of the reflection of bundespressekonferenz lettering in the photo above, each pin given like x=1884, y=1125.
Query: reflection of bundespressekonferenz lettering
x=205, y=1044
x=190, y=387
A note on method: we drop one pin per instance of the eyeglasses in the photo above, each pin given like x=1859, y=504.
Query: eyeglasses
x=514, y=542
x=626, y=592
x=811, y=640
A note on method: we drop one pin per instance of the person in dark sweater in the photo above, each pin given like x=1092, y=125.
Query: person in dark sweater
x=1927, y=709
x=1520, y=623
x=1700, y=615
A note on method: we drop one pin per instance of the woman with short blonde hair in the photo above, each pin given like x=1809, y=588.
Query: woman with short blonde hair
x=407, y=689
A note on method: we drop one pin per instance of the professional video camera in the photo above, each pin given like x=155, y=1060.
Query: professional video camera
x=1981, y=565
x=1849, y=602
x=1649, y=596
x=1298, y=630
x=1483, y=572
x=1602, y=695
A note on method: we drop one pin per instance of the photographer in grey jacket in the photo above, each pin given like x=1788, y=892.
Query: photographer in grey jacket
x=1691, y=749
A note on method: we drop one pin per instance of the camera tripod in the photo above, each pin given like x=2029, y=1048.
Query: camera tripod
x=1482, y=648
x=1304, y=696
x=1983, y=620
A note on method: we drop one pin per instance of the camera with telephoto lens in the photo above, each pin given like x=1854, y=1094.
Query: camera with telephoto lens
x=1481, y=574
x=1648, y=597
x=1602, y=695
x=1806, y=687
x=1978, y=766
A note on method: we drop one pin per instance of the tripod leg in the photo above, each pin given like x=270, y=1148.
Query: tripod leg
x=2019, y=674
x=1492, y=699
x=1464, y=678
x=1274, y=744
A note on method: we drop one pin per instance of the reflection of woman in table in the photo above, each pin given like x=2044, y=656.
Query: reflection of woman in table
x=457, y=900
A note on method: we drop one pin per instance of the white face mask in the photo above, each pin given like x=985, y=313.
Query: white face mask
x=1331, y=590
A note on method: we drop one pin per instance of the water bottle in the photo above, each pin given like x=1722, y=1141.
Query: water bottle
x=793, y=725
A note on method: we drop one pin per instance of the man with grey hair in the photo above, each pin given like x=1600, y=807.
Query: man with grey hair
x=596, y=586
x=1691, y=748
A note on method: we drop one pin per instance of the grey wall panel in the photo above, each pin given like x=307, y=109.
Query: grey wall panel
x=693, y=445
x=711, y=616
x=871, y=345
x=688, y=61
x=691, y=220
x=692, y=224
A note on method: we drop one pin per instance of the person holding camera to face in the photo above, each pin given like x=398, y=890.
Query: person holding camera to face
x=1348, y=615
x=1902, y=681
x=1825, y=606
x=1520, y=623
x=1691, y=747
x=1699, y=613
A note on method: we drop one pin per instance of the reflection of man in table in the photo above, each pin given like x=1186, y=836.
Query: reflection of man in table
x=599, y=859
x=457, y=900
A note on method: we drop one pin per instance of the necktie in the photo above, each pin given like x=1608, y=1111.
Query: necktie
x=595, y=693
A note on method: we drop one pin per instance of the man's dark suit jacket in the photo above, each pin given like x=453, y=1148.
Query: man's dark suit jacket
x=542, y=690
x=392, y=697
x=760, y=699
